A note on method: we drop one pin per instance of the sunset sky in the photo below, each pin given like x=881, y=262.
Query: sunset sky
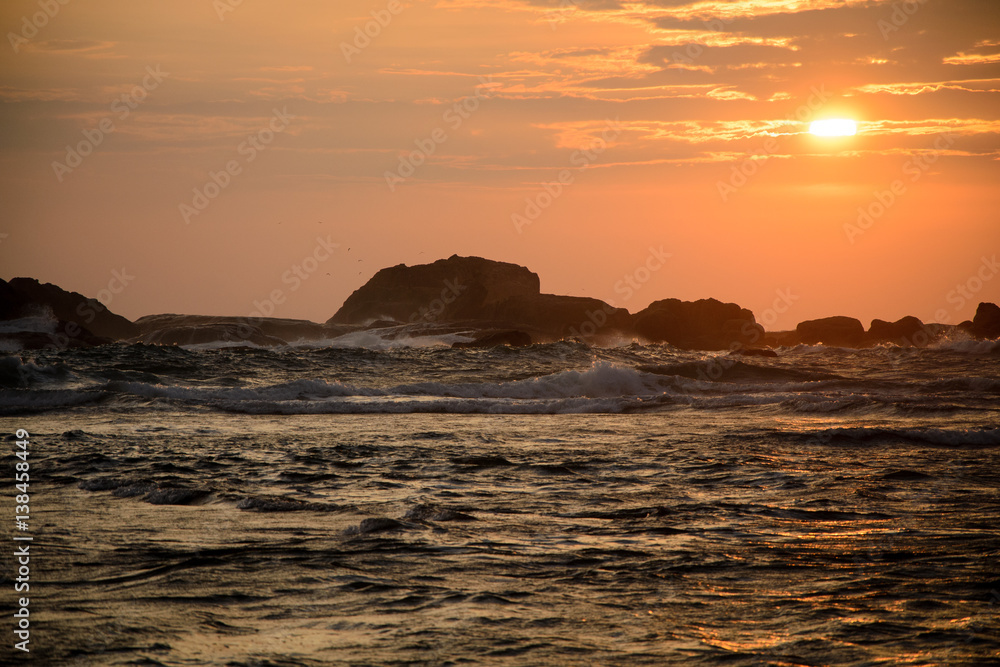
x=677, y=128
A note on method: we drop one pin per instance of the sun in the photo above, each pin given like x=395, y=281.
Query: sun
x=833, y=127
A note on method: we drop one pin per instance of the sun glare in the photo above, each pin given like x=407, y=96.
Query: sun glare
x=833, y=127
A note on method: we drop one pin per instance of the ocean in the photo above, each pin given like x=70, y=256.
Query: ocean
x=363, y=501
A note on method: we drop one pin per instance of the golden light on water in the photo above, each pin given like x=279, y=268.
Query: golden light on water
x=833, y=127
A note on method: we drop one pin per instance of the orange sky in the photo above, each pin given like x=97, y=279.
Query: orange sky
x=678, y=128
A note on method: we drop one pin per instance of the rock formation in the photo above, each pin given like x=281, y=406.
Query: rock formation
x=157, y=329
x=706, y=324
x=563, y=316
x=837, y=331
x=494, y=303
x=79, y=317
x=457, y=288
x=209, y=333
x=986, y=323
x=906, y=331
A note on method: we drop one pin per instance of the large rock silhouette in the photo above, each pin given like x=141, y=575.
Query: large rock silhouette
x=170, y=329
x=905, y=331
x=448, y=290
x=986, y=323
x=563, y=316
x=706, y=324
x=838, y=331
x=79, y=318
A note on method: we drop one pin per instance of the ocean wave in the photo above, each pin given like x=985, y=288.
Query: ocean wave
x=972, y=437
x=976, y=384
x=601, y=380
x=726, y=369
x=961, y=345
x=512, y=382
x=16, y=372
x=278, y=504
x=370, y=340
x=30, y=401
x=295, y=390
x=434, y=405
x=45, y=323
x=975, y=347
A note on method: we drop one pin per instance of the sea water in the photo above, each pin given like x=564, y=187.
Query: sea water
x=370, y=502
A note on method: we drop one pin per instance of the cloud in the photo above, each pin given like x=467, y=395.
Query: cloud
x=78, y=48
x=921, y=88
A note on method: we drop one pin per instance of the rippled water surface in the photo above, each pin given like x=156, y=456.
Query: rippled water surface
x=554, y=505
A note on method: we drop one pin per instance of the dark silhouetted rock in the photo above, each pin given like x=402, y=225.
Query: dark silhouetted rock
x=986, y=323
x=166, y=329
x=513, y=338
x=457, y=288
x=906, y=331
x=563, y=316
x=488, y=297
x=838, y=331
x=26, y=297
x=706, y=324
x=240, y=334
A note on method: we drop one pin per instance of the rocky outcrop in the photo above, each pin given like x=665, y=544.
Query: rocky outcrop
x=905, y=331
x=457, y=288
x=986, y=323
x=706, y=324
x=166, y=329
x=79, y=318
x=496, y=295
x=563, y=316
x=837, y=331
x=209, y=333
